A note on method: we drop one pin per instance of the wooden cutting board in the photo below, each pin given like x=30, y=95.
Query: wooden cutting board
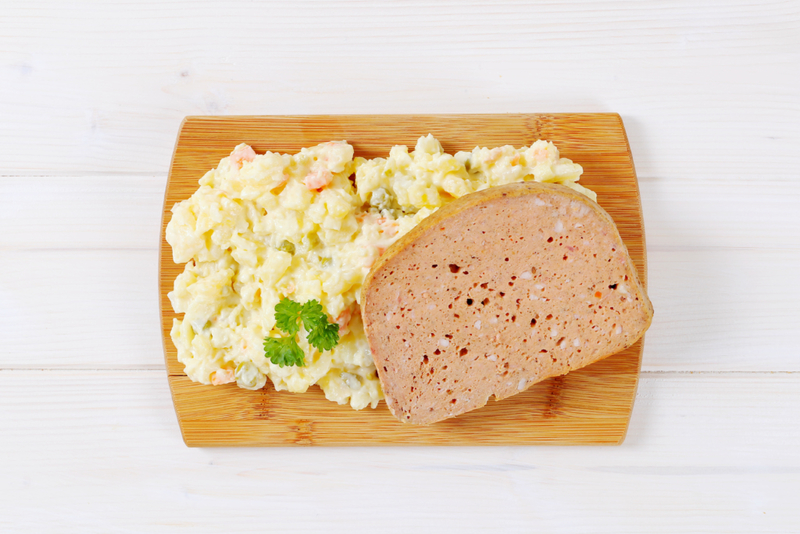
x=588, y=406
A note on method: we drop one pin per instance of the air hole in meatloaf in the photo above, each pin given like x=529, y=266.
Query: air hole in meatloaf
x=437, y=352
x=424, y=360
x=486, y=284
x=502, y=294
x=469, y=302
x=453, y=401
x=449, y=336
x=513, y=318
x=454, y=268
x=485, y=301
x=434, y=266
x=533, y=322
x=612, y=286
x=550, y=240
x=463, y=352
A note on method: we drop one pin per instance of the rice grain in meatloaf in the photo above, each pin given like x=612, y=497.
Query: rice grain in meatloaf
x=497, y=291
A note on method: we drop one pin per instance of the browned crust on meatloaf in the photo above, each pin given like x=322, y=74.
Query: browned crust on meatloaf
x=497, y=291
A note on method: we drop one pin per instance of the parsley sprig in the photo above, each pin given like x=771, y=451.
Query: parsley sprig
x=321, y=332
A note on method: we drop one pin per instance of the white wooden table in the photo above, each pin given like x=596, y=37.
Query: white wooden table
x=91, y=96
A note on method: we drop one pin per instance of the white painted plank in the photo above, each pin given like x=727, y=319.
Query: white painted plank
x=101, y=451
x=704, y=215
x=86, y=212
x=119, y=211
x=724, y=309
x=80, y=308
x=706, y=91
x=715, y=309
x=701, y=323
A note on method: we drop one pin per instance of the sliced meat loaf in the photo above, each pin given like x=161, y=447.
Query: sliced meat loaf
x=497, y=291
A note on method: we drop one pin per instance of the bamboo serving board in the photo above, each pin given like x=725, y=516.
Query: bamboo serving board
x=585, y=407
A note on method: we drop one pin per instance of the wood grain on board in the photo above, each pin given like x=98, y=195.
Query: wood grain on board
x=588, y=406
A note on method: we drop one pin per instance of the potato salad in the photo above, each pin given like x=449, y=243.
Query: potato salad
x=308, y=226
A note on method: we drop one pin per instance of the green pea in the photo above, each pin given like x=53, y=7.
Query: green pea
x=287, y=246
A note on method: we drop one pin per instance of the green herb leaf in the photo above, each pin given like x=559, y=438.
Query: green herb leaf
x=312, y=315
x=321, y=332
x=287, y=312
x=284, y=351
x=324, y=337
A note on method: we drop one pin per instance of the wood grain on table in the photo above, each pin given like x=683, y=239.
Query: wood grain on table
x=91, y=98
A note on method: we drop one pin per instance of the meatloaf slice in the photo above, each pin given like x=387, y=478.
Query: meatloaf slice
x=495, y=292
